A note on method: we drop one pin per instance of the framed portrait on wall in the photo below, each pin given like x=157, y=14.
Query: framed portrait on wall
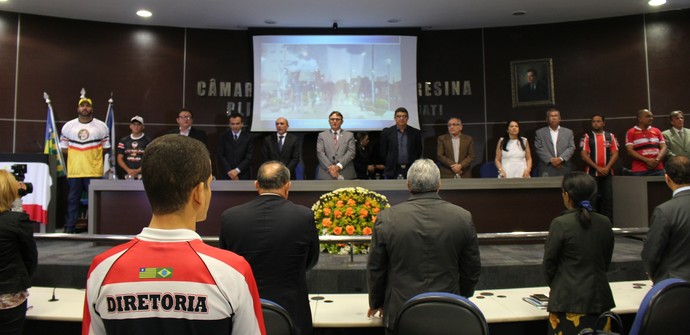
x=532, y=82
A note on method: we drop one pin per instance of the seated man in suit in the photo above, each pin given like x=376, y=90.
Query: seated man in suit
x=555, y=145
x=455, y=151
x=678, y=137
x=185, y=118
x=283, y=147
x=235, y=151
x=401, y=145
x=278, y=239
x=335, y=150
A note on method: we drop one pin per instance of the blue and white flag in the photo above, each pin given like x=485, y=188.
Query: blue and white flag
x=109, y=159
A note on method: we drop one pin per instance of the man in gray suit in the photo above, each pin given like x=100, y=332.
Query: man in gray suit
x=665, y=252
x=555, y=145
x=422, y=245
x=335, y=150
x=678, y=137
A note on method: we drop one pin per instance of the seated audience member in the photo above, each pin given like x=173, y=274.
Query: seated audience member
x=600, y=153
x=555, y=146
x=235, y=151
x=166, y=280
x=278, y=239
x=513, y=156
x=678, y=137
x=400, y=145
x=18, y=257
x=283, y=147
x=185, y=119
x=646, y=146
x=130, y=149
x=335, y=150
x=455, y=151
x=404, y=262
x=366, y=160
x=577, y=254
x=665, y=252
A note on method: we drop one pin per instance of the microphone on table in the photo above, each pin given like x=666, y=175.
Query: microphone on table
x=53, y=298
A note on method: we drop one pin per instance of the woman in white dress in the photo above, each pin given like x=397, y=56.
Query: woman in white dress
x=513, y=157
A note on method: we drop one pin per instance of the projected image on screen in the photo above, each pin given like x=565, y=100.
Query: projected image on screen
x=304, y=78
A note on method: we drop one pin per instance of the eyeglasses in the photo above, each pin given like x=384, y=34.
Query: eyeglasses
x=334, y=119
x=453, y=124
x=401, y=116
x=184, y=117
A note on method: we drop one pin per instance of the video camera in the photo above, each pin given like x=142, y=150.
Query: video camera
x=19, y=172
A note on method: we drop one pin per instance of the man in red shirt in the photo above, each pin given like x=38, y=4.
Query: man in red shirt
x=600, y=153
x=646, y=146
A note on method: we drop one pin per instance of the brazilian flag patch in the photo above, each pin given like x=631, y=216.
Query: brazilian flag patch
x=150, y=273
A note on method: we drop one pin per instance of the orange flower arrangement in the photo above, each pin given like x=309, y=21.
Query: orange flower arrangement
x=348, y=211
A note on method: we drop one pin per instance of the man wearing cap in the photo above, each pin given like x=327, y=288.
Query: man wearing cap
x=185, y=118
x=130, y=149
x=82, y=140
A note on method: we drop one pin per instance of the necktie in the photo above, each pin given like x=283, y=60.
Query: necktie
x=280, y=143
x=235, y=137
x=335, y=136
x=680, y=134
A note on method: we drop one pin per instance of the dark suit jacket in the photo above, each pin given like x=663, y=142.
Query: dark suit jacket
x=389, y=147
x=193, y=133
x=575, y=264
x=543, y=145
x=18, y=255
x=235, y=154
x=665, y=252
x=540, y=92
x=291, y=154
x=445, y=155
x=328, y=152
x=422, y=245
x=280, y=242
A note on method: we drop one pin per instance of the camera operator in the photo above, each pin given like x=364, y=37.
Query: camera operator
x=19, y=172
x=18, y=256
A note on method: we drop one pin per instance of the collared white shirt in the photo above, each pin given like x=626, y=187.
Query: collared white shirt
x=554, y=139
x=456, y=147
x=681, y=189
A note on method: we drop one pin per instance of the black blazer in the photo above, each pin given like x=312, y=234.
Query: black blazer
x=235, y=154
x=291, y=151
x=280, y=242
x=18, y=255
x=389, y=147
x=193, y=133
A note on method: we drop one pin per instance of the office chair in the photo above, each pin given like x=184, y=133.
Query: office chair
x=276, y=319
x=665, y=309
x=440, y=313
x=488, y=170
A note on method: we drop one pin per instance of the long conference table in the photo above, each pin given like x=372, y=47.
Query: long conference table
x=497, y=205
x=349, y=311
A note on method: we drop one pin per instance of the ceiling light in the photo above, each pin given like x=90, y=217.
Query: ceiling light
x=270, y=22
x=519, y=13
x=394, y=20
x=144, y=13
x=656, y=2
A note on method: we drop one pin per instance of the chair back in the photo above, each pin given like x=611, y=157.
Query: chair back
x=488, y=170
x=439, y=313
x=664, y=310
x=276, y=319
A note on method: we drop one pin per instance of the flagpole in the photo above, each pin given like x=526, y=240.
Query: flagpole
x=51, y=117
x=110, y=122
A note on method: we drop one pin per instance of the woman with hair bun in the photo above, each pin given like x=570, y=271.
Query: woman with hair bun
x=577, y=254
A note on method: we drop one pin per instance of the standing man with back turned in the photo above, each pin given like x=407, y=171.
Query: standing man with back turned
x=555, y=145
x=283, y=147
x=278, y=239
x=166, y=280
x=422, y=245
x=82, y=140
x=401, y=145
x=665, y=252
x=678, y=137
